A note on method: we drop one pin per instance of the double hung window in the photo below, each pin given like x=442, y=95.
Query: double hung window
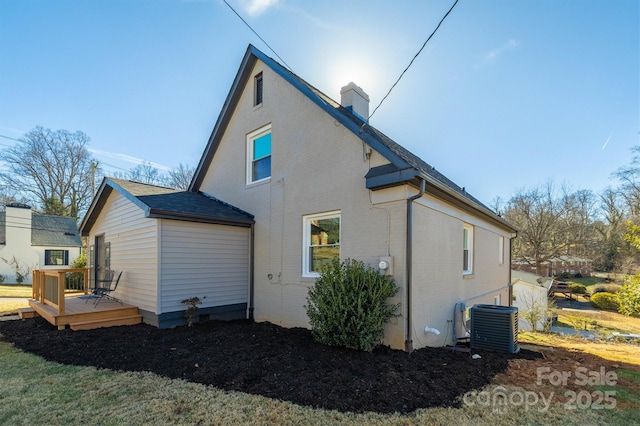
x=259, y=155
x=321, y=242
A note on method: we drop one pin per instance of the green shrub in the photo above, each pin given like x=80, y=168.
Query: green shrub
x=348, y=306
x=578, y=275
x=578, y=288
x=565, y=275
x=629, y=297
x=609, y=288
x=604, y=300
x=2, y=278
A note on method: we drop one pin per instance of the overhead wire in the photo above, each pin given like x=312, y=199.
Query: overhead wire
x=258, y=35
x=411, y=62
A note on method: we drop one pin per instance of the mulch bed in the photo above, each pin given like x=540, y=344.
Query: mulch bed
x=265, y=359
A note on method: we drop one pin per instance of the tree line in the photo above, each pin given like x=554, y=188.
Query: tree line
x=54, y=172
x=553, y=222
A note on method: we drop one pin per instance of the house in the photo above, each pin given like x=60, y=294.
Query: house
x=558, y=266
x=303, y=180
x=530, y=293
x=170, y=246
x=321, y=183
x=31, y=241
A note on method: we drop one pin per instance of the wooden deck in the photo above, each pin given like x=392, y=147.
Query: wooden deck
x=82, y=314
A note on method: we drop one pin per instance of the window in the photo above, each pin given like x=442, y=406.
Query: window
x=467, y=249
x=496, y=300
x=500, y=250
x=321, y=242
x=257, y=99
x=56, y=257
x=259, y=155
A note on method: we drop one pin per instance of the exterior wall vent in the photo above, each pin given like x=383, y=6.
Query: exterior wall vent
x=495, y=328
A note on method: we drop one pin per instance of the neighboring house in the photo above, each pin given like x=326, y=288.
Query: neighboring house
x=323, y=184
x=31, y=241
x=557, y=266
x=170, y=245
x=530, y=292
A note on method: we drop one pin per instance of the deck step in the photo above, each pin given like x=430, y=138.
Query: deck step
x=27, y=313
x=90, y=325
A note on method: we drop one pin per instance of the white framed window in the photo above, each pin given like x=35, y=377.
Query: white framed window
x=321, y=241
x=501, y=250
x=259, y=155
x=497, y=300
x=467, y=249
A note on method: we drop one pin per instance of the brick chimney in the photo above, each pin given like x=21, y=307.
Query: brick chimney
x=355, y=99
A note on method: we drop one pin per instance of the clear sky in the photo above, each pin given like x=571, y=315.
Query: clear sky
x=507, y=94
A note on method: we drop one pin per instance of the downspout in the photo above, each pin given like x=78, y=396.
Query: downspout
x=408, y=343
x=251, y=280
x=513, y=237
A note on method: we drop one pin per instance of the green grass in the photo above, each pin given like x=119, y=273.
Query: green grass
x=15, y=290
x=34, y=391
x=588, y=282
x=625, y=396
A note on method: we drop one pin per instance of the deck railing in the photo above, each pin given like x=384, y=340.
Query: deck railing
x=50, y=285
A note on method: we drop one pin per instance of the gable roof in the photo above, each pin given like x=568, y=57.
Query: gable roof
x=46, y=230
x=167, y=203
x=530, y=279
x=404, y=167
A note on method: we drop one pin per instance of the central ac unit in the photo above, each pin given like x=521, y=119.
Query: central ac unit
x=495, y=327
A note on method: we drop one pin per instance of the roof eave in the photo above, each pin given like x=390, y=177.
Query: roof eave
x=163, y=214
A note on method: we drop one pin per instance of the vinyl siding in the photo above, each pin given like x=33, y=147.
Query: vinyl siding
x=207, y=261
x=134, y=243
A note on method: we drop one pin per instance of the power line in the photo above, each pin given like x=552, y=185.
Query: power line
x=254, y=31
x=13, y=139
x=411, y=63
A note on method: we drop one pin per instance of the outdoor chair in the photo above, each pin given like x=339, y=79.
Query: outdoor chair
x=103, y=281
x=104, y=292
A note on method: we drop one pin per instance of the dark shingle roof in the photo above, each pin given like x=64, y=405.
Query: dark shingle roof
x=161, y=202
x=405, y=167
x=55, y=231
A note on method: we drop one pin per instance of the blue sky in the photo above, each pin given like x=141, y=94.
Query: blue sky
x=507, y=94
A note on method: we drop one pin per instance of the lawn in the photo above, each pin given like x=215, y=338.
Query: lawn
x=7, y=306
x=15, y=290
x=64, y=392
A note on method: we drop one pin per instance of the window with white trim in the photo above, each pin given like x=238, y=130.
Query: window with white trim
x=321, y=241
x=500, y=250
x=259, y=155
x=467, y=249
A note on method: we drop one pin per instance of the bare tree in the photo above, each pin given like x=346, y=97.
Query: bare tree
x=147, y=173
x=630, y=178
x=539, y=217
x=52, y=169
x=180, y=177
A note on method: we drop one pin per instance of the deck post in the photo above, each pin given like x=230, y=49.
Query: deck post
x=61, y=286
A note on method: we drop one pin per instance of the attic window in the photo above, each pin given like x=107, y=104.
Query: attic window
x=258, y=90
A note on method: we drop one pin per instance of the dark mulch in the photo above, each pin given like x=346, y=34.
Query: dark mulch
x=264, y=359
